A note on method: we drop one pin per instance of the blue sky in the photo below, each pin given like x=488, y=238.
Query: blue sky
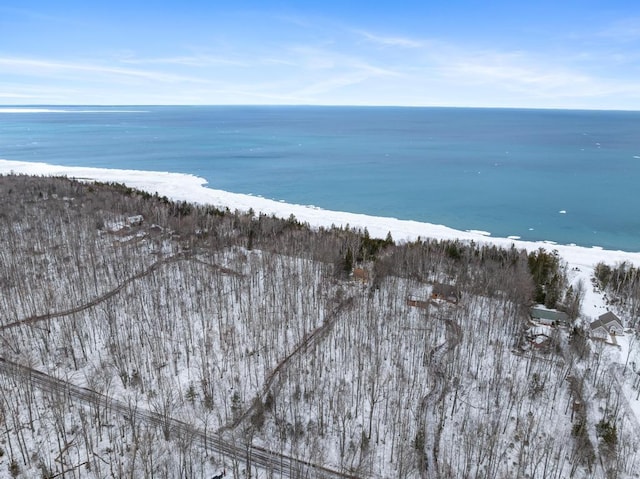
x=542, y=54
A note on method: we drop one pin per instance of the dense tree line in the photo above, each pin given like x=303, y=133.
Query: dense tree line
x=622, y=284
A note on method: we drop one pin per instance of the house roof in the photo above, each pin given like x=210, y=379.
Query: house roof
x=445, y=290
x=607, y=321
x=598, y=326
x=608, y=317
x=540, y=330
x=548, y=314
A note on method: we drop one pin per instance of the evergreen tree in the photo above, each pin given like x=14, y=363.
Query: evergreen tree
x=348, y=262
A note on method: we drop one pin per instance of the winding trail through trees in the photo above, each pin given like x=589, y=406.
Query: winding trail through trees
x=308, y=340
x=430, y=416
x=109, y=294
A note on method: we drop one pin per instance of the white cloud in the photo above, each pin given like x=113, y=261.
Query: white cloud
x=14, y=95
x=530, y=75
x=322, y=72
x=331, y=83
x=191, y=61
x=28, y=66
x=512, y=70
x=343, y=65
x=389, y=41
x=314, y=58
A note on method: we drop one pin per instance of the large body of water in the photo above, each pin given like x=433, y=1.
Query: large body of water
x=557, y=175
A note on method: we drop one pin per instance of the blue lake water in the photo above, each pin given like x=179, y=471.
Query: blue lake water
x=557, y=175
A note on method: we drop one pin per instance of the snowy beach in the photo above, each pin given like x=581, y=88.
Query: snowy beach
x=185, y=187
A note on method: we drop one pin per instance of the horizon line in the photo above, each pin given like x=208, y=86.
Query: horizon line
x=303, y=105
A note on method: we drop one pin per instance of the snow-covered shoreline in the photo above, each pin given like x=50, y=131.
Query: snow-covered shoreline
x=186, y=187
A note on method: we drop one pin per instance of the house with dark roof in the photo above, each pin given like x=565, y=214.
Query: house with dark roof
x=607, y=325
x=446, y=292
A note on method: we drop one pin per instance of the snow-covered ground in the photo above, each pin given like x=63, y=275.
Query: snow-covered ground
x=183, y=187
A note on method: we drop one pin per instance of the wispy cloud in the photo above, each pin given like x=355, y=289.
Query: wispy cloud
x=297, y=20
x=323, y=71
x=320, y=64
x=16, y=96
x=47, y=67
x=514, y=69
x=531, y=76
x=277, y=61
x=315, y=58
x=190, y=61
x=336, y=81
x=390, y=41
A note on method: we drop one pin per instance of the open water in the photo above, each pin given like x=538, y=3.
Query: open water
x=555, y=175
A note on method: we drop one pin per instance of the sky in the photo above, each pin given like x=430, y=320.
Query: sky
x=463, y=53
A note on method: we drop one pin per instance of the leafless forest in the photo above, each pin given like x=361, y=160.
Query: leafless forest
x=145, y=338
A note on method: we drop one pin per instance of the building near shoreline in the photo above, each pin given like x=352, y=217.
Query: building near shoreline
x=606, y=326
x=549, y=317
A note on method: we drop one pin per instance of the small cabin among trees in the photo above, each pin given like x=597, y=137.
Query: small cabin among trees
x=416, y=302
x=539, y=337
x=135, y=220
x=445, y=292
x=360, y=274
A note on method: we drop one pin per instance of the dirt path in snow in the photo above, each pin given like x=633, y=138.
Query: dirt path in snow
x=308, y=340
x=99, y=299
x=430, y=420
x=109, y=294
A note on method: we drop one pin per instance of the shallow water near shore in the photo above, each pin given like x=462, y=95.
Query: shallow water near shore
x=556, y=175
